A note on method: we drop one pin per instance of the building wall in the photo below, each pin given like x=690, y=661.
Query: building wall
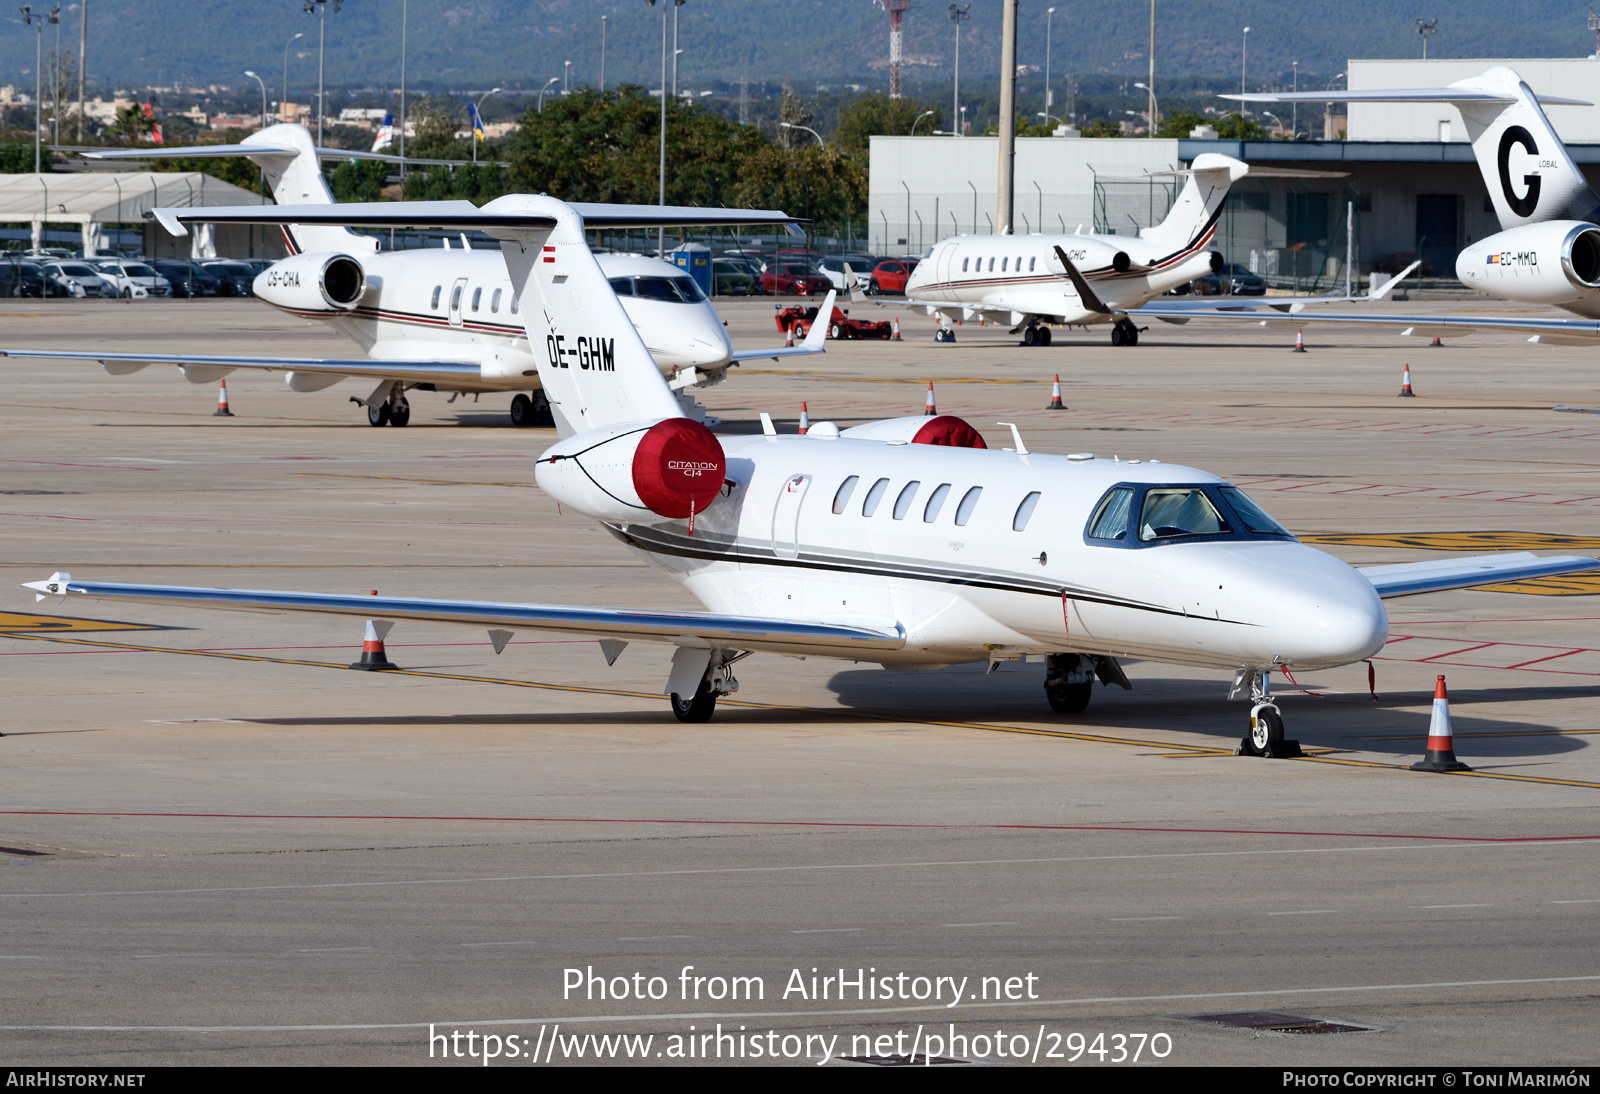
x=1577, y=78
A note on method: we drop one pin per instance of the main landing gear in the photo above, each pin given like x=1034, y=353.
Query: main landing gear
x=1034, y=335
x=529, y=410
x=718, y=680
x=1124, y=332
x=1069, y=679
x=393, y=411
x=1266, y=720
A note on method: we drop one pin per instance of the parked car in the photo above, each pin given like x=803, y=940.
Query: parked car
x=1232, y=280
x=833, y=266
x=749, y=263
x=890, y=276
x=800, y=320
x=730, y=278
x=130, y=278
x=234, y=278
x=793, y=279
x=19, y=277
x=189, y=278
x=77, y=278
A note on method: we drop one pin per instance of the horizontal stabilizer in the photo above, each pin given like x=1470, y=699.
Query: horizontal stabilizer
x=1412, y=578
x=1403, y=95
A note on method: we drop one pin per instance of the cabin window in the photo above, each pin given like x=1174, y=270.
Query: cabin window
x=1110, y=521
x=902, y=504
x=874, y=496
x=964, y=262
x=1031, y=261
x=1185, y=511
x=842, y=498
x=969, y=502
x=514, y=303
x=1003, y=262
x=1024, y=512
x=477, y=297
x=455, y=298
x=437, y=289
x=494, y=301
x=930, y=512
x=991, y=265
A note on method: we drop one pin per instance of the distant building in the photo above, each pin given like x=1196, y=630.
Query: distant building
x=235, y=121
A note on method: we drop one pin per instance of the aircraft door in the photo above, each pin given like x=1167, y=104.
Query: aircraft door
x=457, y=293
x=942, y=271
x=786, y=516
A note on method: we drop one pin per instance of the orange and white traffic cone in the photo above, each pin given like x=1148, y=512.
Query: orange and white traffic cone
x=1441, y=743
x=1055, y=395
x=1299, y=340
x=930, y=411
x=788, y=336
x=222, y=402
x=805, y=420
x=373, y=658
x=895, y=337
x=1405, y=385
x=1437, y=341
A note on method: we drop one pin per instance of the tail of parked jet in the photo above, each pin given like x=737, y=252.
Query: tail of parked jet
x=1193, y=217
x=1530, y=176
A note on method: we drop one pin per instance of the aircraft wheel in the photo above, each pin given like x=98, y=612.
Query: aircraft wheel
x=1070, y=698
x=699, y=708
x=400, y=415
x=1266, y=733
x=1119, y=337
x=1043, y=338
x=378, y=415
x=1030, y=337
x=521, y=410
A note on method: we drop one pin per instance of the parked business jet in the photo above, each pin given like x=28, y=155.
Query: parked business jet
x=442, y=320
x=905, y=542
x=1033, y=280
x=1549, y=249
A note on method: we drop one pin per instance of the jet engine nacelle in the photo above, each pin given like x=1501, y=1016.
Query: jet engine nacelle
x=1092, y=256
x=313, y=283
x=640, y=471
x=1556, y=262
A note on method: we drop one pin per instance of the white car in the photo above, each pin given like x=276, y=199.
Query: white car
x=833, y=266
x=131, y=278
x=78, y=278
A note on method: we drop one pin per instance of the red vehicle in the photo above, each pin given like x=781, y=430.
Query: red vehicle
x=793, y=279
x=800, y=320
x=890, y=276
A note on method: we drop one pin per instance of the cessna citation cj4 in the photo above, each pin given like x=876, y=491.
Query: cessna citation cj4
x=905, y=542
x=431, y=320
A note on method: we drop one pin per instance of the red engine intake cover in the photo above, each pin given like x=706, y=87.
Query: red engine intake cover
x=679, y=466
x=949, y=430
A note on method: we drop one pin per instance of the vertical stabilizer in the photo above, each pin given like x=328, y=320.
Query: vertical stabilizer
x=1193, y=217
x=1530, y=176
x=593, y=366
x=298, y=180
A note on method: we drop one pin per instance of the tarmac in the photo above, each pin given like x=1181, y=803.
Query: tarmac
x=221, y=846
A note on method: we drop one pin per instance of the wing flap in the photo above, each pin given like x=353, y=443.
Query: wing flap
x=675, y=628
x=410, y=371
x=1412, y=578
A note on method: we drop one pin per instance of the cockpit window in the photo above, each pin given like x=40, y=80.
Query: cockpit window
x=622, y=286
x=1251, y=515
x=1111, y=519
x=671, y=290
x=1180, y=511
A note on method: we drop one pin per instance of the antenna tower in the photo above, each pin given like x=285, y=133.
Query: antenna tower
x=1594, y=25
x=895, y=8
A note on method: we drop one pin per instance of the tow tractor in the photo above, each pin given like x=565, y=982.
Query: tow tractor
x=798, y=321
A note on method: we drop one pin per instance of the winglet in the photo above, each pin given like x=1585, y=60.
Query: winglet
x=1085, y=293
x=1384, y=289
x=818, y=334
x=168, y=219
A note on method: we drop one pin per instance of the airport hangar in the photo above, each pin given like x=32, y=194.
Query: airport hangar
x=1412, y=185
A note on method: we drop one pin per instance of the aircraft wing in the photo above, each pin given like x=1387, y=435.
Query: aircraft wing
x=1412, y=578
x=693, y=629
x=1566, y=332
x=206, y=368
x=815, y=340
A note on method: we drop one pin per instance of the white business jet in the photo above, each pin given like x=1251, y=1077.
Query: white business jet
x=441, y=320
x=1078, y=279
x=904, y=542
x=1549, y=250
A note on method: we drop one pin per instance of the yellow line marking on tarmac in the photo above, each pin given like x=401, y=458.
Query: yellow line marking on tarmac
x=1584, y=584
x=430, y=482
x=909, y=381
x=1508, y=733
x=1094, y=738
x=11, y=622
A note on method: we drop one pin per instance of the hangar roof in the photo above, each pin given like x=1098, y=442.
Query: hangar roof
x=102, y=197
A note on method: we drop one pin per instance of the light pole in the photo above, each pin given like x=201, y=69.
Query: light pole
x=1294, y=111
x=83, y=57
x=1049, y=98
x=924, y=114
x=1153, y=114
x=36, y=21
x=566, y=78
x=807, y=128
x=321, y=8
x=959, y=15
x=602, y=53
x=661, y=178
x=1427, y=29
x=546, y=87
x=477, y=120
x=1244, y=50
x=258, y=80
x=404, y=20
x=55, y=75
x=283, y=105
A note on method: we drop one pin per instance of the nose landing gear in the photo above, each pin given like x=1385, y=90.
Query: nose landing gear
x=1266, y=720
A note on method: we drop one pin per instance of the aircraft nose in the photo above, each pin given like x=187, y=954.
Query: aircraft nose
x=1335, y=623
